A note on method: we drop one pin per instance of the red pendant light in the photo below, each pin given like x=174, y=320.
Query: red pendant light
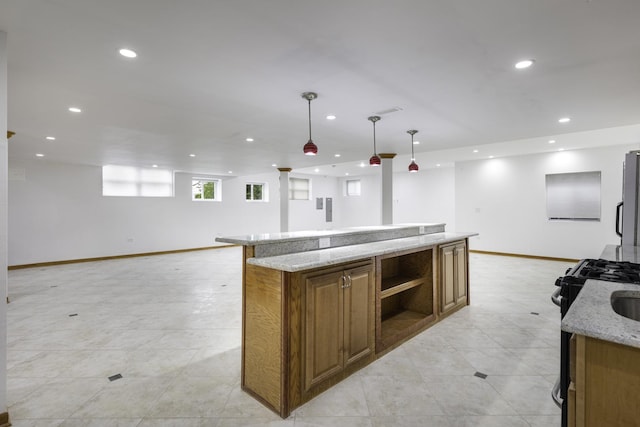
x=413, y=166
x=375, y=159
x=310, y=149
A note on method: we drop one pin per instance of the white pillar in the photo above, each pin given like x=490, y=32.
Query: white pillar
x=387, y=187
x=3, y=226
x=284, y=199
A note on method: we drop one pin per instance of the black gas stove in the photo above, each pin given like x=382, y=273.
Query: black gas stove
x=569, y=286
x=602, y=269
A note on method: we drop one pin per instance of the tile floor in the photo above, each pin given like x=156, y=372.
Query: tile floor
x=170, y=326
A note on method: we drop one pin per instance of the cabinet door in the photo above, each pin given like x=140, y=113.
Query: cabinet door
x=323, y=327
x=447, y=278
x=358, y=313
x=461, y=273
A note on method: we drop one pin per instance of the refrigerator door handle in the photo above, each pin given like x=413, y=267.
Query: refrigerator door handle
x=618, y=215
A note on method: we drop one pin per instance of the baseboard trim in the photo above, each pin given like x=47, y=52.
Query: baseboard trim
x=206, y=248
x=545, y=258
x=4, y=419
x=104, y=258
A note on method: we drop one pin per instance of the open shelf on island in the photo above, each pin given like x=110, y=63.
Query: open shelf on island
x=395, y=284
x=398, y=322
x=405, y=296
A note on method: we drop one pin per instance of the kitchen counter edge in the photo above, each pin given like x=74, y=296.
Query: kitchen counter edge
x=293, y=236
x=592, y=315
x=308, y=260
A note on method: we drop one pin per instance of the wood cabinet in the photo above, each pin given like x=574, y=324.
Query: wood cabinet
x=338, y=322
x=405, y=296
x=453, y=276
x=305, y=331
x=605, y=379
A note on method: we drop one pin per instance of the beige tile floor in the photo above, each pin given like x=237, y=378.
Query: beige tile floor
x=170, y=325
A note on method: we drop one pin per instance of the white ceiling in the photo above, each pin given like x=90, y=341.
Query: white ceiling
x=211, y=73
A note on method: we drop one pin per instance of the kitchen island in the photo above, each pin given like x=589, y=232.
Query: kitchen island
x=319, y=306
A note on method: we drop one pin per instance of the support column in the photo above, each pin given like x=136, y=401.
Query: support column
x=387, y=187
x=284, y=199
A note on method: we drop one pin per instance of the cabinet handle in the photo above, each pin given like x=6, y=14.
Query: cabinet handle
x=349, y=277
x=344, y=281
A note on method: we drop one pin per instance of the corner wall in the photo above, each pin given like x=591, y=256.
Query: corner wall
x=426, y=196
x=3, y=221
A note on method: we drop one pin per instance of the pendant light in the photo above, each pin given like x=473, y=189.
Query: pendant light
x=375, y=159
x=413, y=166
x=310, y=149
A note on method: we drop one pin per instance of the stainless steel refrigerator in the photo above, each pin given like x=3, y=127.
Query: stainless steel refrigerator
x=627, y=214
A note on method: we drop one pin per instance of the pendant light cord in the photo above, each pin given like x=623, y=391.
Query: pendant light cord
x=375, y=153
x=309, y=119
x=413, y=157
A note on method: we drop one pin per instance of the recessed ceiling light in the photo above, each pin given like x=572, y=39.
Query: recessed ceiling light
x=346, y=173
x=128, y=53
x=526, y=63
x=552, y=141
x=316, y=170
x=50, y=138
x=274, y=165
x=154, y=166
x=491, y=157
x=39, y=155
x=416, y=142
x=249, y=139
x=475, y=151
x=437, y=165
x=336, y=155
x=75, y=110
x=192, y=155
x=361, y=164
x=230, y=171
x=564, y=120
x=331, y=117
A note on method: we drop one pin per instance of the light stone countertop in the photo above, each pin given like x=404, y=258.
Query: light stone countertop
x=591, y=314
x=267, y=238
x=307, y=260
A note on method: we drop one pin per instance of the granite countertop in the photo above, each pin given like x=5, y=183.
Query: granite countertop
x=307, y=260
x=267, y=238
x=591, y=314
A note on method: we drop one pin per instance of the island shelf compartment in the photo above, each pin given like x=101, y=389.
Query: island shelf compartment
x=405, y=300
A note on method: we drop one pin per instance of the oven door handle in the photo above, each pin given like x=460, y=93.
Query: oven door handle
x=555, y=393
x=556, y=298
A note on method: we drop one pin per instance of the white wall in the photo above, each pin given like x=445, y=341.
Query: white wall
x=3, y=221
x=425, y=196
x=303, y=214
x=365, y=209
x=504, y=200
x=57, y=212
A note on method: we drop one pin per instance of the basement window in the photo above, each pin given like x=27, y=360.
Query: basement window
x=299, y=189
x=203, y=189
x=352, y=187
x=573, y=196
x=256, y=192
x=130, y=181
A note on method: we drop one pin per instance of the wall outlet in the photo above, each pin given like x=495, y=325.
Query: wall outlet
x=324, y=242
